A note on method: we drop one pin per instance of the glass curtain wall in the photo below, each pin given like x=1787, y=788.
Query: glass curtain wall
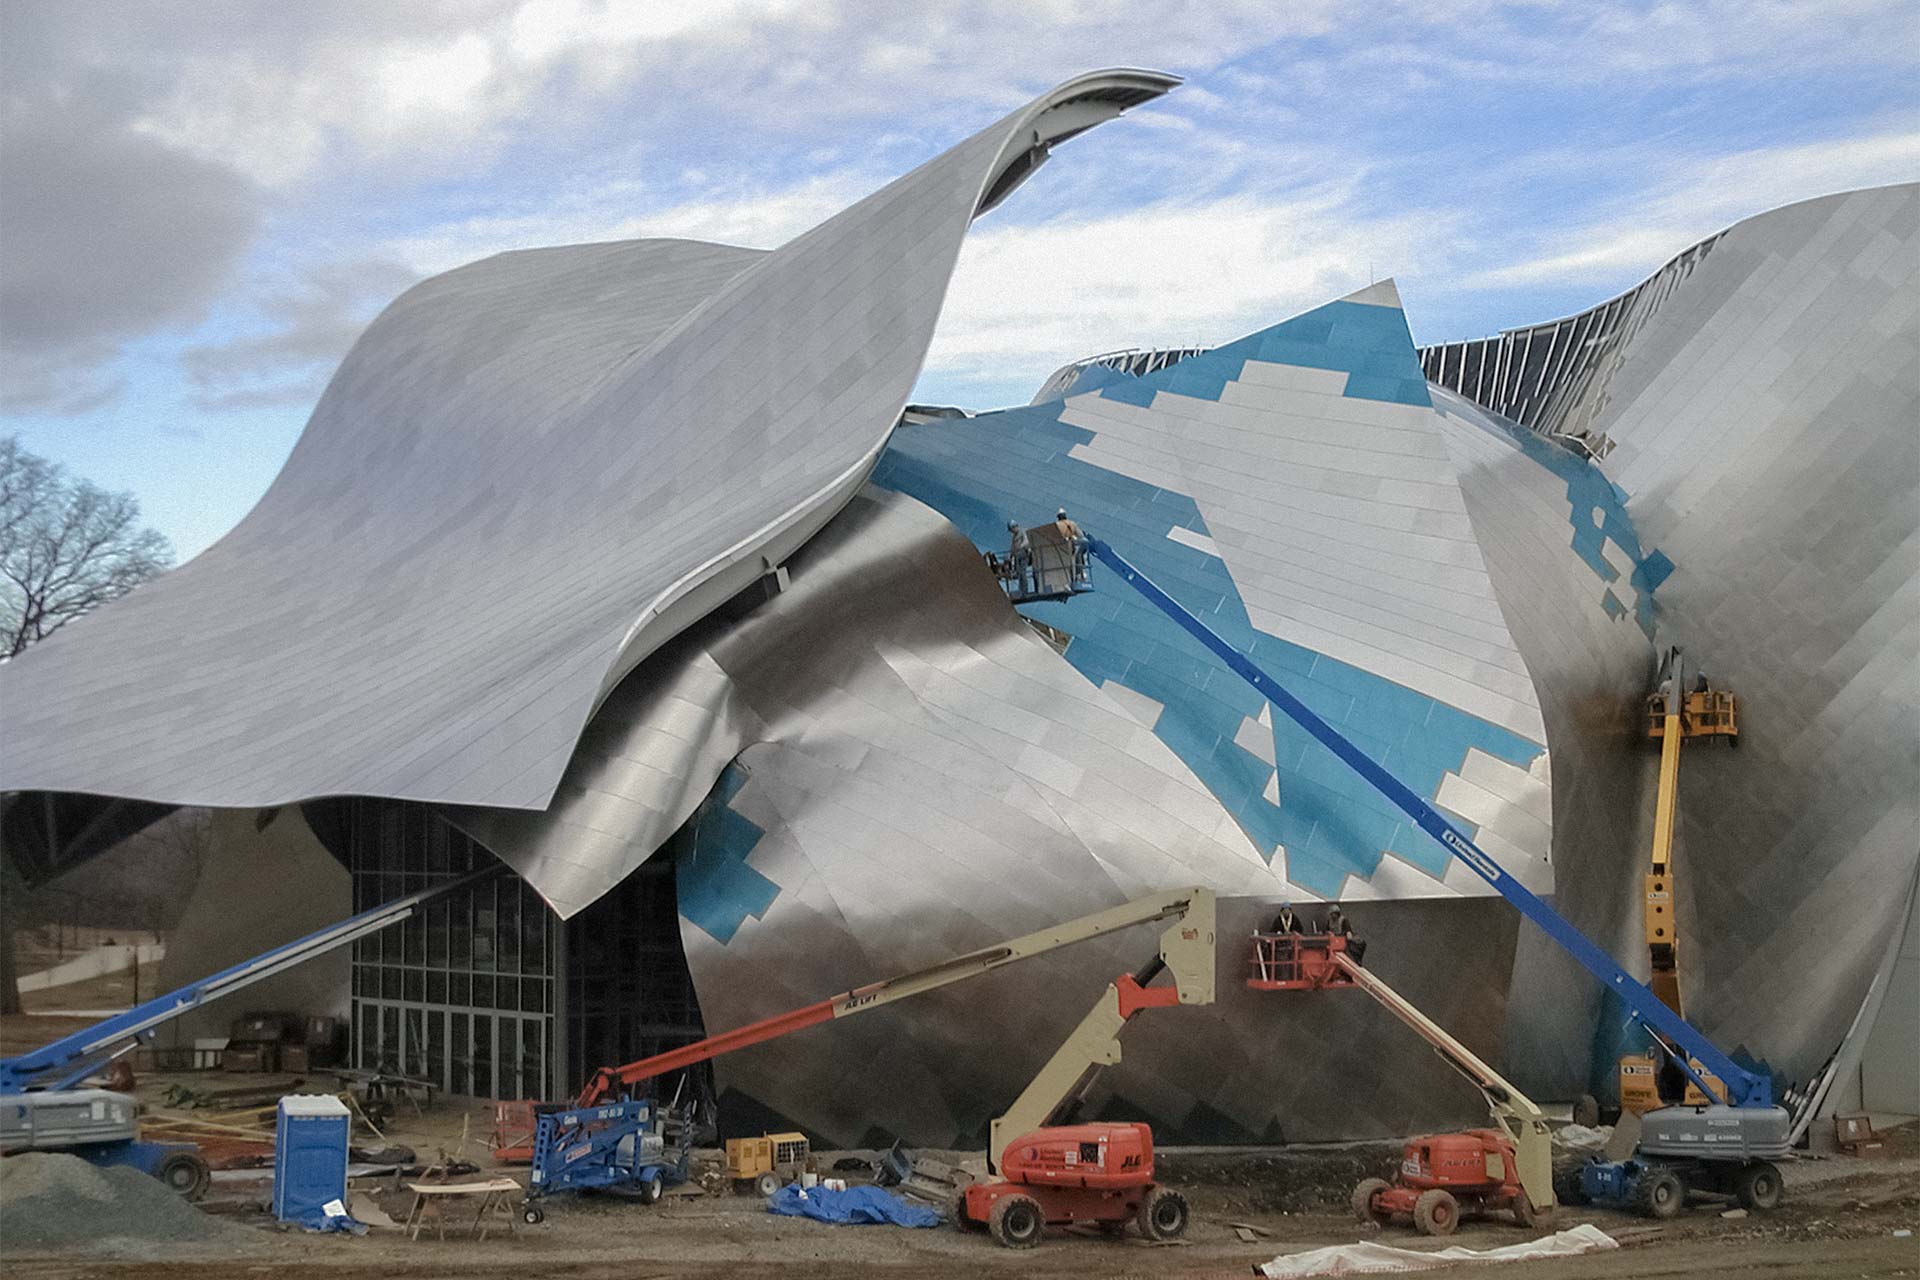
x=463, y=993
x=628, y=992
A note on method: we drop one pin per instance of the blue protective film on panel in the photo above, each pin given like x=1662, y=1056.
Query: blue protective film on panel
x=1371, y=344
x=1016, y=464
x=717, y=889
x=1597, y=510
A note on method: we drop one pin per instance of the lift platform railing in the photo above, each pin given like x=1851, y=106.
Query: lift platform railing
x=1297, y=962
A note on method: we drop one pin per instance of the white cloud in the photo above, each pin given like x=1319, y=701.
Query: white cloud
x=1028, y=298
x=1696, y=196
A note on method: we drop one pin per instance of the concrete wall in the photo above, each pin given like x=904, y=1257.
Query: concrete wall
x=260, y=887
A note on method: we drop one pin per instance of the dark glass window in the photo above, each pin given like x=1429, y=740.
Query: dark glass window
x=481, y=1055
x=460, y=954
x=437, y=1047
x=461, y=1055
x=508, y=951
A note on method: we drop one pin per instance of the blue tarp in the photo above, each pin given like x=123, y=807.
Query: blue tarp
x=857, y=1205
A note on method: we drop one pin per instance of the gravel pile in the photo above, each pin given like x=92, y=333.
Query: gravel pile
x=51, y=1202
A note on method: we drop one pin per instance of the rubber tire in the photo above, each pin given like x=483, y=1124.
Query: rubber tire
x=1523, y=1212
x=1436, y=1213
x=1758, y=1187
x=1017, y=1222
x=1163, y=1215
x=1361, y=1202
x=651, y=1190
x=185, y=1174
x=1660, y=1194
x=767, y=1183
x=957, y=1211
x=533, y=1215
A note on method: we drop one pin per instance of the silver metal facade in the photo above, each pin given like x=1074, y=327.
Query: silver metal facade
x=527, y=474
x=926, y=728
x=1759, y=429
x=488, y=578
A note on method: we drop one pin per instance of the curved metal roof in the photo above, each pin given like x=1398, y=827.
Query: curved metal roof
x=527, y=474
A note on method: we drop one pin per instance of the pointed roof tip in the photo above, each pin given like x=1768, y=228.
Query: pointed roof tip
x=1381, y=293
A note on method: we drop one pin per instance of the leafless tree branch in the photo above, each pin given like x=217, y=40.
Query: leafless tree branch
x=67, y=547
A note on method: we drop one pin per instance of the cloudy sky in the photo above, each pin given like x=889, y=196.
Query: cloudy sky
x=201, y=203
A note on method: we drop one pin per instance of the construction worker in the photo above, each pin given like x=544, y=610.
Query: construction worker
x=1339, y=926
x=1020, y=556
x=1287, y=921
x=1076, y=548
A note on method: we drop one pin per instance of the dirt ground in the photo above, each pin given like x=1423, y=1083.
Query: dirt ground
x=1838, y=1221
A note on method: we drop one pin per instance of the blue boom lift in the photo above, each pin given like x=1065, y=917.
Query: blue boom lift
x=44, y=1108
x=636, y=1147
x=1723, y=1148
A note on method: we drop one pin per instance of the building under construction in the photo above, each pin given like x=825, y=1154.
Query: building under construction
x=625, y=567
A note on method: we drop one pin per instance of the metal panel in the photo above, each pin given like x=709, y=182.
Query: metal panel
x=527, y=474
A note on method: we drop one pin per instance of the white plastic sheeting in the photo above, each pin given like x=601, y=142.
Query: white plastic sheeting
x=1369, y=1259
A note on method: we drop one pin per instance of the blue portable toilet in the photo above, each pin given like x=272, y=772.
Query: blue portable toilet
x=309, y=1156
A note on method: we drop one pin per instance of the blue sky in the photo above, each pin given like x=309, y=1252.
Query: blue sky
x=202, y=203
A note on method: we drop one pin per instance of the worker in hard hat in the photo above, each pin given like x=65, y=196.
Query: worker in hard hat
x=1020, y=556
x=1288, y=921
x=1339, y=926
x=1076, y=542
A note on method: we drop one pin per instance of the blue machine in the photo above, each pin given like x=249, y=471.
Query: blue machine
x=101, y=1127
x=1723, y=1148
x=1745, y=1089
x=42, y=1107
x=621, y=1146
x=71, y=1059
x=310, y=1136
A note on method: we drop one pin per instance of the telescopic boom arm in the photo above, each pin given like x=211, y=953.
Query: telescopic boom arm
x=71, y=1059
x=1174, y=904
x=1512, y=1109
x=1743, y=1088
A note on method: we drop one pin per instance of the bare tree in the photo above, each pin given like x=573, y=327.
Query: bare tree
x=67, y=547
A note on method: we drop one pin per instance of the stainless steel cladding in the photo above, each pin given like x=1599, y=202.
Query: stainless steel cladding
x=527, y=474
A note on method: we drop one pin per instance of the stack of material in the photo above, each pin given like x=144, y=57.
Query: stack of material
x=56, y=1203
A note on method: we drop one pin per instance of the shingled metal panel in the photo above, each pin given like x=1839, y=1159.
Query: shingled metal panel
x=526, y=475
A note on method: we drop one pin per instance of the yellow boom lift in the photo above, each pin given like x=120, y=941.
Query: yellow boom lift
x=1675, y=714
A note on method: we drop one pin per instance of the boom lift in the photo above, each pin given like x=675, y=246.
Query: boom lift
x=1739, y=1128
x=43, y=1107
x=1047, y=1171
x=1508, y=1168
x=1675, y=714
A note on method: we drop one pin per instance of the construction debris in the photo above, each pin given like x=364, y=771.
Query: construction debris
x=1376, y=1259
